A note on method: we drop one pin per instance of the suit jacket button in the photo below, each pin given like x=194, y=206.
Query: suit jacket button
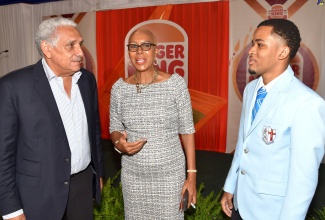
x=243, y=172
x=246, y=150
x=66, y=159
x=66, y=183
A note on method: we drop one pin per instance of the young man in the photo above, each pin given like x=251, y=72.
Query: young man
x=280, y=145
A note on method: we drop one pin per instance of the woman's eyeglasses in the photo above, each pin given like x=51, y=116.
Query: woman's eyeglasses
x=143, y=46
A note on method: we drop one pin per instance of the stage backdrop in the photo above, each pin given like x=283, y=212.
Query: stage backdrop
x=207, y=65
x=200, y=55
x=308, y=64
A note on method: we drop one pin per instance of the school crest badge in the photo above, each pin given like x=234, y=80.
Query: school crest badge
x=269, y=134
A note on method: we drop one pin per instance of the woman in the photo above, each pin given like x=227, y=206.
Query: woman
x=148, y=111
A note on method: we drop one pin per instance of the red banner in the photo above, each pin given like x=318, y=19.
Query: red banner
x=207, y=28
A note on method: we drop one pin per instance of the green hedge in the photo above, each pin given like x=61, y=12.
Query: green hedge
x=207, y=208
x=112, y=206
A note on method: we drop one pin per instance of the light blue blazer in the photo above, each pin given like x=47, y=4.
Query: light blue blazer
x=274, y=171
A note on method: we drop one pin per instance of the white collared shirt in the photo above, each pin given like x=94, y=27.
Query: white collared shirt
x=74, y=118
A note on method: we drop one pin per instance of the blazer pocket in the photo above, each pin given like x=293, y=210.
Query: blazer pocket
x=272, y=188
x=28, y=173
x=26, y=180
x=30, y=167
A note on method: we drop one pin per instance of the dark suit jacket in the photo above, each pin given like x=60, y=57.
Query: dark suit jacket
x=34, y=150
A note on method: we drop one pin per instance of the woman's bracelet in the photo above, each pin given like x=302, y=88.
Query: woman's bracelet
x=115, y=143
x=191, y=171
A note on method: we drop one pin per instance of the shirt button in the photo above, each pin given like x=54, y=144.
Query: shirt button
x=243, y=172
x=246, y=150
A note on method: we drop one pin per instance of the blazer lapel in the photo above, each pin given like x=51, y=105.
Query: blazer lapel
x=83, y=85
x=247, y=106
x=273, y=97
x=45, y=93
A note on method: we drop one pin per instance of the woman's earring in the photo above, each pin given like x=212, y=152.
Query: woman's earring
x=155, y=62
x=129, y=62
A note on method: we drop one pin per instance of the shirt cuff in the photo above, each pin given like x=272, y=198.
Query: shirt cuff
x=14, y=214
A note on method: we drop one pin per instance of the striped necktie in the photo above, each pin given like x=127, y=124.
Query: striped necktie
x=261, y=93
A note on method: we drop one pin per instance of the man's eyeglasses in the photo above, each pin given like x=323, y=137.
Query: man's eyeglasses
x=144, y=46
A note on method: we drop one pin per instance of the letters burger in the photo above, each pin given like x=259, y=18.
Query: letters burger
x=172, y=44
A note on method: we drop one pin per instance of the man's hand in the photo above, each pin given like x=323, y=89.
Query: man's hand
x=226, y=203
x=101, y=183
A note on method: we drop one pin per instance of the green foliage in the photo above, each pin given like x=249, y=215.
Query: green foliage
x=318, y=215
x=206, y=207
x=112, y=206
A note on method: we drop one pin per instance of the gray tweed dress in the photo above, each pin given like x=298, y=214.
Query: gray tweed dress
x=153, y=178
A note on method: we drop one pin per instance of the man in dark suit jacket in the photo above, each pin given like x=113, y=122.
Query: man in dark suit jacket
x=50, y=148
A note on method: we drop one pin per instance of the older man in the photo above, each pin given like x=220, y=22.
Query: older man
x=50, y=147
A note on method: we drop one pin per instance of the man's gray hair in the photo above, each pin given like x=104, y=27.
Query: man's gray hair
x=47, y=31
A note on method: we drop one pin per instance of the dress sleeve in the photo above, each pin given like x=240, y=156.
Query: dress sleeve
x=115, y=114
x=184, y=107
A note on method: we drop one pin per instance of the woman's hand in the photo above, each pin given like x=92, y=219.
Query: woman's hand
x=190, y=186
x=129, y=147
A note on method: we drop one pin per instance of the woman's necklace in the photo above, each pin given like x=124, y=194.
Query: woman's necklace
x=145, y=85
